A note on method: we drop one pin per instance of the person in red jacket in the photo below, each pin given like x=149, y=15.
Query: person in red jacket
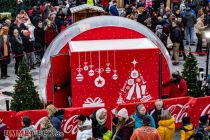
x=178, y=86
x=49, y=32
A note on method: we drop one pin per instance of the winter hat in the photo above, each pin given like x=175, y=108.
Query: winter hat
x=203, y=119
x=139, y=106
x=99, y=113
x=146, y=120
x=123, y=113
x=175, y=74
x=186, y=120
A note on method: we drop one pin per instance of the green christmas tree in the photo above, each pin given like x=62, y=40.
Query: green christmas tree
x=25, y=96
x=190, y=74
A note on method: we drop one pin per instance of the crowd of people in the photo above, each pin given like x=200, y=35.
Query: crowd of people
x=156, y=124
x=29, y=33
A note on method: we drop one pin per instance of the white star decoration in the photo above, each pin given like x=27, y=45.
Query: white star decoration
x=134, y=62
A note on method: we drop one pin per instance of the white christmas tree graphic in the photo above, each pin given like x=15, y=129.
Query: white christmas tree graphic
x=134, y=86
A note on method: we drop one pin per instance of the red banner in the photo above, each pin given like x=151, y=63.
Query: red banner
x=179, y=107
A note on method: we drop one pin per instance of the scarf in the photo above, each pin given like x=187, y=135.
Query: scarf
x=5, y=45
x=140, y=115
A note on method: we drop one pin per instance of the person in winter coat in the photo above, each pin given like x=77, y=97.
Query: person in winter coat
x=47, y=129
x=199, y=28
x=56, y=117
x=4, y=51
x=201, y=133
x=113, y=9
x=146, y=132
x=3, y=127
x=124, y=126
x=141, y=112
x=90, y=2
x=49, y=33
x=187, y=129
x=17, y=48
x=98, y=118
x=189, y=21
x=20, y=6
x=178, y=86
x=28, y=48
x=175, y=38
x=30, y=129
x=39, y=39
x=156, y=111
x=84, y=128
x=166, y=127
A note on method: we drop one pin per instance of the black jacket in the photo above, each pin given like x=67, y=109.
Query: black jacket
x=155, y=114
x=27, y=45
x=39, y=36
x=96, y=127
x=17, y=48
x=189, y=20
x=176, y=35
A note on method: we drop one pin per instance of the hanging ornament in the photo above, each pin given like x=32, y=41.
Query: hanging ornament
x=79, y=76
x=134, y=72
x=99, y=81
x=86, y=64
x=115, y=76
x=108, y=69
x=91, y=71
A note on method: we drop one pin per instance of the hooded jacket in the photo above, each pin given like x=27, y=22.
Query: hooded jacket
x=186, y=132
x=145, y=133
x=85, y=130
x=166, y=129
x=125, y=131
x=96, y=126
x=139, y=121
x=56, y=121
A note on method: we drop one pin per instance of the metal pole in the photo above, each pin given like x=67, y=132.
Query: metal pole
x=160, y=75
x=207, y=61
x=7, y=105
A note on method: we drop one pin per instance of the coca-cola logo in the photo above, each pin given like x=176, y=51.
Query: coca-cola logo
x=206, y=110
x=37, y=124
x=179, y=111
x=70, y=125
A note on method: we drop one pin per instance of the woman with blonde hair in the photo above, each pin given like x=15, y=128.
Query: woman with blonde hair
x=47, y=129
x=166, y=125
x=56, y=117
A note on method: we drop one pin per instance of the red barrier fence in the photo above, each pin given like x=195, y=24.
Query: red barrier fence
x=179, y=107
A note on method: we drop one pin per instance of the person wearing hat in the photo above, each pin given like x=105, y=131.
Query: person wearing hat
x=146, y=132
x=201, y=131
x=177, y=85
x=123, y=125
x=187, y=129
x=141, y=112
x=99, y=118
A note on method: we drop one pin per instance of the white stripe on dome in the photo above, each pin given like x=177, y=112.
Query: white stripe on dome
x=116, y=44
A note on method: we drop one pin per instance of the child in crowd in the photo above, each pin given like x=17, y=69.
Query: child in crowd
x=187, y=129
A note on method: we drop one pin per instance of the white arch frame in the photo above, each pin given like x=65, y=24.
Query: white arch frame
x=94, y=22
